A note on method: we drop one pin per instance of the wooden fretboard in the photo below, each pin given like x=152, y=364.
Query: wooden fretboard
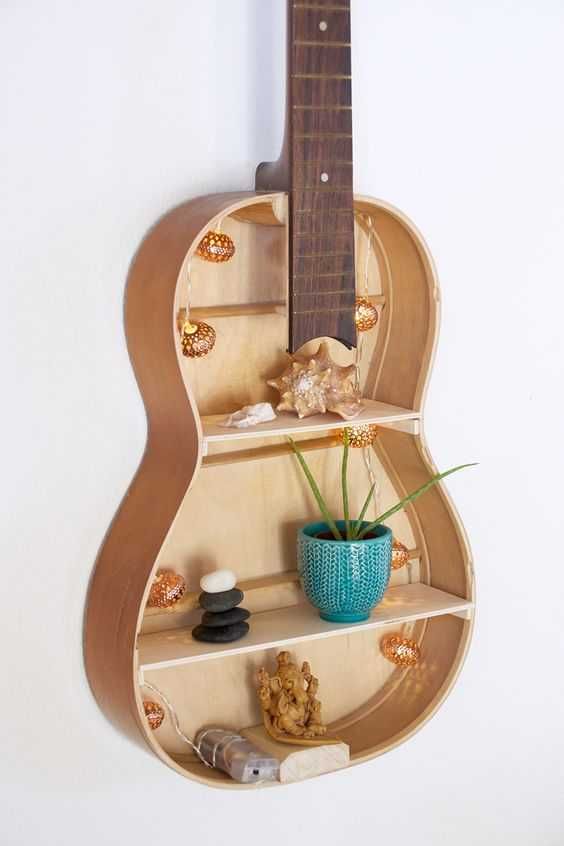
x=317, y=164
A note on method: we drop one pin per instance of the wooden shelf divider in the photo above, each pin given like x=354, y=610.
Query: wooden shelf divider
x=373, y=412
x=250, y=309
x=282, y=626
x=237, y=310
x=269, y=451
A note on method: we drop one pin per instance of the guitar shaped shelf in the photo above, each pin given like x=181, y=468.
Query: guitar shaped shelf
x=207, y=497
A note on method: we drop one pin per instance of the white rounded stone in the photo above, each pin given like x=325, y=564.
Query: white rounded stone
x=218, y=580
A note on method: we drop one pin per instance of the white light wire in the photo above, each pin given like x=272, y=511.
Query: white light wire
x=230, y=738
x=367, y=455
x=367, y=451
x=368, y=252
x=176, y=724
x=188, y=288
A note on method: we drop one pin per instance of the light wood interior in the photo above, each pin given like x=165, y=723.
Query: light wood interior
x=241, y=511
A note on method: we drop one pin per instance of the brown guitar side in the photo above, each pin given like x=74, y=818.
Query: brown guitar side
x=121, y=579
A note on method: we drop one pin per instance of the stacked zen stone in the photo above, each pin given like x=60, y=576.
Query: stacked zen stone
x=223, y=621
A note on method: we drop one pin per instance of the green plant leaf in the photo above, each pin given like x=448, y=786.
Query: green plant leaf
x=358, y=524
x=344, y=483
x=410, y=497
x=316, y=492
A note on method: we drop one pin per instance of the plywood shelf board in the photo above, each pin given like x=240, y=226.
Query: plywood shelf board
x=379, y=413
x=269, y=451
x=237, y=310
x=285, y=626
x=255, y=309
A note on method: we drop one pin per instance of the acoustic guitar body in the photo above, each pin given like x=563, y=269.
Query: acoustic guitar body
x=208, y=497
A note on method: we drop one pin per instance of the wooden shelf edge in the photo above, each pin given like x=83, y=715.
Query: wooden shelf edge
x=251, y=309
x=402, y=604
x=269, y=451
x=373, y=412
x=237, y=310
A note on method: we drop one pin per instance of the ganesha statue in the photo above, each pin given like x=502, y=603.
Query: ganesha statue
x=290, y=708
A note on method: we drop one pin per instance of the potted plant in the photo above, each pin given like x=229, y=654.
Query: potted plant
x=344, y=565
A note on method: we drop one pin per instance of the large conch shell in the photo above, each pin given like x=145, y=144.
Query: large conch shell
x=315, y=384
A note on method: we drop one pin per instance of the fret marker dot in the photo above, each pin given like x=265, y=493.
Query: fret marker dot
x=323, y=26
x=324, y=177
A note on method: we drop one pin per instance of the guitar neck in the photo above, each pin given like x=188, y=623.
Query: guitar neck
x=317, y=171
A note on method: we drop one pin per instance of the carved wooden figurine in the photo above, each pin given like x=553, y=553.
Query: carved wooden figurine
x=291, y=710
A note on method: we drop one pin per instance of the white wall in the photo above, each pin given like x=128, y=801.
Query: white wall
x=111, y=113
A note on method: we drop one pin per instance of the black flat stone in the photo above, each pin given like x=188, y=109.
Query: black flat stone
x=227, y=618
x=225, y=600
x=222, y=634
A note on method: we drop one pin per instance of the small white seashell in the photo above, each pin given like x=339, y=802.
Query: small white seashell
x=250, y=415
x=218, y=580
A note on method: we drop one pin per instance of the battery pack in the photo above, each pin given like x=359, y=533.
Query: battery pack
x=236, y=756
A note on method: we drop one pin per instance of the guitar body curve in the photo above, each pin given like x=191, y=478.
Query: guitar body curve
x=199, y=502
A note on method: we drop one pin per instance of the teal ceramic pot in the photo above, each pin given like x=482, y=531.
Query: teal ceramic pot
x=344, y=580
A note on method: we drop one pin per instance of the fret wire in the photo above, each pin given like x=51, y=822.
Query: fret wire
x=314, y=234
x=321, y=76
x=323, y=211
x=323, y=43
x=321, y=255
x=341, y=209
x=321, y=235
x=317, y=310
x=324, y=108
x=322, y=135
x=342, y=293
x=349, y=290
x=329, y=293
x=343, y=189
x=321, y=8
x=324, y=275
x=301, y=162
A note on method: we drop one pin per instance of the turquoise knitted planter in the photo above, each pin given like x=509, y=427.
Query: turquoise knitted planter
x=344, y=580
